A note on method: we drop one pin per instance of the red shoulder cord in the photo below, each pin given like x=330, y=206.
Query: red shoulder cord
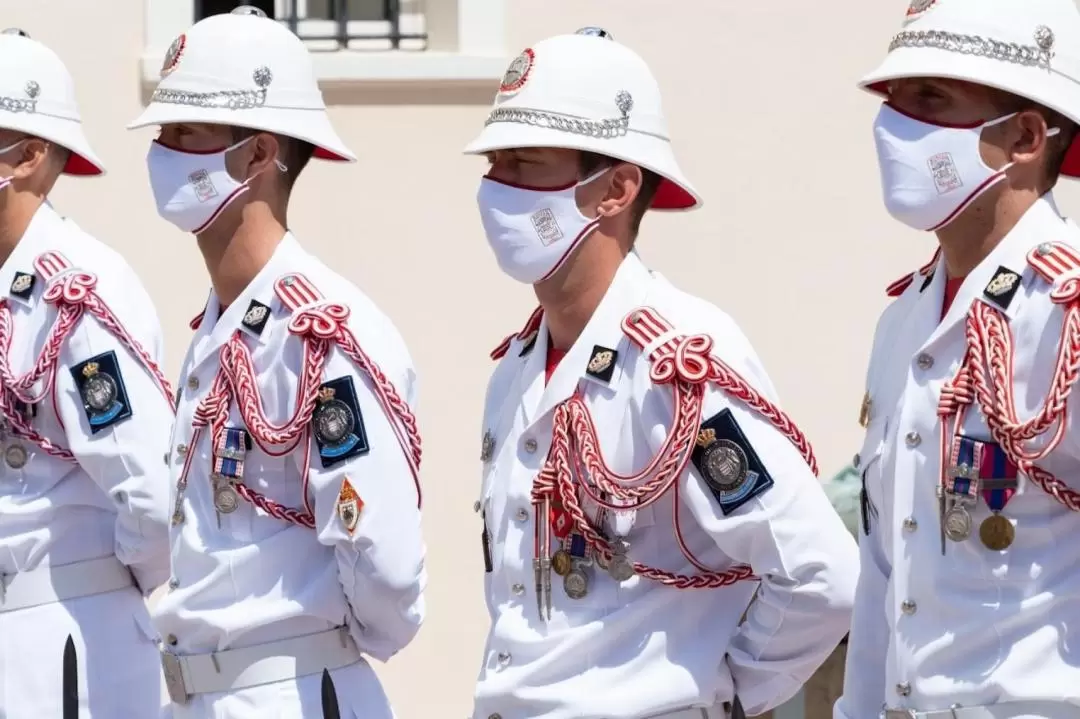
x=72, y=292
x=685, y=363
x=986, y=376
x=320, y=325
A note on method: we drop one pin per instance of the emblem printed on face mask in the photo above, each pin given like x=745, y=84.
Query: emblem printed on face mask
x=204, y=187
x=518, y=72
x=1002, y=287
x=102, y=390
x=172, y=57
x=547, y=227
x=946, y=177
x=23, y=285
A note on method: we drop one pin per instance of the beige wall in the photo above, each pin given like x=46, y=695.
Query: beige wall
x=793, y=240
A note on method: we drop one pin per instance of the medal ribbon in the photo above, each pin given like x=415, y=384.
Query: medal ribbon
x=996, y=465
x=229, y=452
x=964, y=474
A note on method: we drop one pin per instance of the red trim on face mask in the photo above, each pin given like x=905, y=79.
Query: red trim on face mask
x=533, y=188
x=935, y=123
x=192, y=152
x=967, y=201
x=217, y=213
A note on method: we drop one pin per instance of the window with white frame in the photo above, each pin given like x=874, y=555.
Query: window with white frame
x=361, y=40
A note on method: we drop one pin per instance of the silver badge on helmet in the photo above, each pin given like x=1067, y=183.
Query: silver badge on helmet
x=518, y=73
x=917, y=8
x=172, y=57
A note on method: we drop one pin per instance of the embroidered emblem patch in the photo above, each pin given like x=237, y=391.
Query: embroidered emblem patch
x=1002, y=287
x=337, y=423
x=731, y=468
x=203, y=185
x=546, y=226
x=487, y=447
x=22, y=285
x=102, y=390
x=255, y=317
x=349, y=505
x=172, y=56
x=517, y=74
x=602, y=363
x=946, y=176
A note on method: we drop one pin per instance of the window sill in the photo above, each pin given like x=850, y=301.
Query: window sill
x=345, y=67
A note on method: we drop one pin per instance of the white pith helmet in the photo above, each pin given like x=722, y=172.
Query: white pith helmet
x=246, y=70
x=587, y=92
x=1030, y=48
x=37, y=97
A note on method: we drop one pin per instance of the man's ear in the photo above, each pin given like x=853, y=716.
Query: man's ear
x=625, y=185
x=265, y=150
x=35, y=153
x=1029, y=142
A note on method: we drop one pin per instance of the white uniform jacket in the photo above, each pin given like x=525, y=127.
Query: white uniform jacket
x=973, y=626
x=639, y=648
x=336, y=538
x=82, y=481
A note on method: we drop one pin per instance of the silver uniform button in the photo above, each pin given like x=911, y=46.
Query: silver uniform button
x=913, y=439
x=174, y=583
x=903, y=689
x=15, y=456
x=530, y=445
x=181, y=449
x=504, y=658
x=910, y=524
x=476, y=506
x=908, y=606
x=924, y=361
x=522, y=514
x=518, y=589
x=193, y=382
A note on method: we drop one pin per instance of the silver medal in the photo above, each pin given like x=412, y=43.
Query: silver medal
x=15, y=456
x=576, y=583
x=99, y=391
x=621, y=568
x=957, y=523
x=333, y=421
x=226, y=500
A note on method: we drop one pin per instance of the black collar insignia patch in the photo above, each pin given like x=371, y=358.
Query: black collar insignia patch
x=926, y=282
x=1002, y=287
x=22, y=285
x=602, y=363
x=256, y=316
x=529, y=343
x=727, y=463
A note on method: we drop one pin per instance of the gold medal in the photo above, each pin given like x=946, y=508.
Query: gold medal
x=561, y=562
x=864, y=410
x=997, y=532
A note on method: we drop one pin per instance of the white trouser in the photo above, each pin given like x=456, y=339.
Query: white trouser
x=1005, y=710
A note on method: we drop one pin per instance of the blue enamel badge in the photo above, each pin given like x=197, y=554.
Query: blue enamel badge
x=101, y=387
x=731, y=468
x=337, y=423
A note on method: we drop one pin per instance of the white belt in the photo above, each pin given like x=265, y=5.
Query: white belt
x=1005, y=710
x=191, y=674
x=49, y=584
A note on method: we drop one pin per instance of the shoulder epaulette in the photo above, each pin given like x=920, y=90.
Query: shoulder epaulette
x=50, y=264
x=530, y=329
x=898, y=287
x=296, y=291
x=1054, y=262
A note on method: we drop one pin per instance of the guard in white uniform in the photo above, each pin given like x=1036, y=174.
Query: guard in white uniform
x=296, y=542
x=640, y=482
x=969, y=596
x=85, y=415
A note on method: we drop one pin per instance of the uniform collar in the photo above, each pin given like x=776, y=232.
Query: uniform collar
x=1041, y=223
x=602, y=334
x=252, y=310
x=40, y=235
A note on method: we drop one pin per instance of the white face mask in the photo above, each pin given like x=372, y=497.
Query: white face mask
x=191, y=189
x=931, y=173
x=533, y=232
x=5, y=181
